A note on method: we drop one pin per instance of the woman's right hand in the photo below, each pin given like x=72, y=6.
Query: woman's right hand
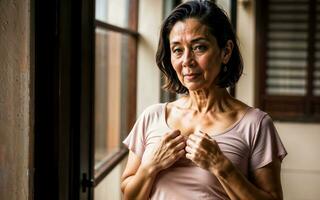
x=170, y=149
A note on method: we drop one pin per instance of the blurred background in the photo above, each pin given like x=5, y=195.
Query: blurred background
x=74, y=75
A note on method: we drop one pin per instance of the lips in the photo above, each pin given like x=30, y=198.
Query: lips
x=191, y=76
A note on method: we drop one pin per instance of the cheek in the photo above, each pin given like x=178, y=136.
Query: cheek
x=211, y=59
x=211, y=67
x=176, y=65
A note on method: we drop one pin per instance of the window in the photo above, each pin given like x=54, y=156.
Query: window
x=83, y=67
x=114, y=81
x=288, y=59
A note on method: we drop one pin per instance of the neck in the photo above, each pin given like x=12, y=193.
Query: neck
x=215, y=99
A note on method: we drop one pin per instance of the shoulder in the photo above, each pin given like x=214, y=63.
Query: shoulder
x=253, y=121
x=149, y=116
x=153, y=109
x=258, y=123
x=256, y=116
x=153, y=112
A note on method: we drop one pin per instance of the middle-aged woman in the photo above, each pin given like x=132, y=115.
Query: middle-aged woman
x=207, y=144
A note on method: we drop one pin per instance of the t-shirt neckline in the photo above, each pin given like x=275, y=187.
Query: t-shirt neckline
x=234, y=125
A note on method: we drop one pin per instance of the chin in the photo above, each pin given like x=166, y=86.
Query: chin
x=195, y=87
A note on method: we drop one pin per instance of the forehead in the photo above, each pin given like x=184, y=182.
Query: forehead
x=188, y=29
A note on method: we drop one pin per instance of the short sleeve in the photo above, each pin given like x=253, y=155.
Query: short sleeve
x=135, y=141
x=267, y=145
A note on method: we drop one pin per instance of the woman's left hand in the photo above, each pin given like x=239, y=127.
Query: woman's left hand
x=203, y=151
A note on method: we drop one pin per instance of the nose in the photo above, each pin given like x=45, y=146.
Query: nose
x=188, y=59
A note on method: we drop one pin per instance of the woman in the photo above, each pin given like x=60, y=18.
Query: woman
x=206, y=144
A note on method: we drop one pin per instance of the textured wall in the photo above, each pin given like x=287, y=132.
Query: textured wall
x=14, y=98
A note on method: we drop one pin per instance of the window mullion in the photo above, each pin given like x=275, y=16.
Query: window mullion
x=118, y=29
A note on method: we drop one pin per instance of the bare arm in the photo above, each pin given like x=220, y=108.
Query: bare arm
x=265, y=186
x=137, y=179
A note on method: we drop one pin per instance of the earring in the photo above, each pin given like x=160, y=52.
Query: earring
x=225, y=68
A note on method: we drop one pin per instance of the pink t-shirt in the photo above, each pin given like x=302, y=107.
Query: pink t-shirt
x=251, y=143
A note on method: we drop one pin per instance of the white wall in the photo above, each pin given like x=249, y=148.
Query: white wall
x=301, y=168
x=245, y=30
x=148, y=87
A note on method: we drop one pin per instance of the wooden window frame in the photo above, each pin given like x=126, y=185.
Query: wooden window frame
x=131, y=31
x=309, y=104
x=63, y=62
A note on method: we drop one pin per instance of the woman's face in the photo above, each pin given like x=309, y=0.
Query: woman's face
x=195, y=54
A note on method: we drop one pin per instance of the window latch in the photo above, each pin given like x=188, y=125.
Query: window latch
x=86, y=182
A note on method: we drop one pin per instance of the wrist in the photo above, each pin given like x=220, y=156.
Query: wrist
x=223, y=167
x=150, y=169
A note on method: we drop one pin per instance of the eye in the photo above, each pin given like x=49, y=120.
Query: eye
x=199, y=48
x=177, y=51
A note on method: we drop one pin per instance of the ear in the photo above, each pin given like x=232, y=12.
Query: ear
x=227, y=52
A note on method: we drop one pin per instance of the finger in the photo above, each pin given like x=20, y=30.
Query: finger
x=178, y=139
x=191, y=143
x=190, y=156
x=189, y=150
x=195, y=137
x=172, y=135
x=178, y=155
x=175, y=142
x=195, y=148
x=200, y=134
x=179, y=146
x=203, y=134
x=201, y=138
x=181, y=153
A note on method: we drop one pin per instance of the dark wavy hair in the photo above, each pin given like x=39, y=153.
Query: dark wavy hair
x=218, y=24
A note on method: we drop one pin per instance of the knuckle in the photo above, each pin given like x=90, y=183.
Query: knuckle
x=169, y=144
x=179, y=145
x=173, y=157
x=200, y=142
x=167, y=135
x=165, y=138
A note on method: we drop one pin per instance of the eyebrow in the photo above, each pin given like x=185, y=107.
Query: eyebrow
x=192, y=41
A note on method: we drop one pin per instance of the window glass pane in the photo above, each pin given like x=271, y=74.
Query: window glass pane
x=114, y=12
x=111, y=68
